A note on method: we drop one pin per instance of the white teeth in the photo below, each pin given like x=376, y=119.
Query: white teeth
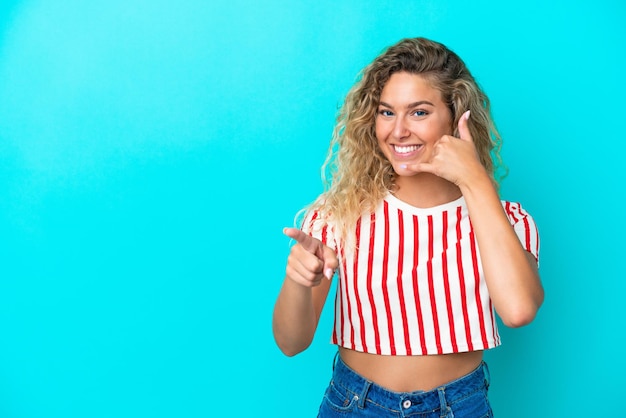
x=405, y=149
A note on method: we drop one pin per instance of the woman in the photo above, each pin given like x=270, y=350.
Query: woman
x=424, y=248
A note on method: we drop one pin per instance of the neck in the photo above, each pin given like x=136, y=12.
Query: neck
x=426, y=190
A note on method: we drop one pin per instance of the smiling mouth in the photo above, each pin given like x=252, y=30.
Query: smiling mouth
x=406, y=149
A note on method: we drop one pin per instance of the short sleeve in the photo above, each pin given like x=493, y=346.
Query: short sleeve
x=313, y=225
x=524, y=226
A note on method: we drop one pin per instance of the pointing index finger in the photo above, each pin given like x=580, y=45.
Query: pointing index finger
x=308, y=243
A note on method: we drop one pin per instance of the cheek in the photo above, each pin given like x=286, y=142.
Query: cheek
x=381, y=144
x=434, y=131
x=378, y=130
x=383, y=129
x=445, y=125
x=380, y=139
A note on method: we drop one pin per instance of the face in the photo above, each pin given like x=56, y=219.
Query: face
x=411, y=118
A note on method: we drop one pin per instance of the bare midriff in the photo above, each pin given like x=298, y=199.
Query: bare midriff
x=411, y=373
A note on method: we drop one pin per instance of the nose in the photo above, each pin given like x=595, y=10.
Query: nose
x=400, y=129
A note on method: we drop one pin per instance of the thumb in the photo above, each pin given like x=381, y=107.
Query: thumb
x=326, y=254
x=464, y=132
x=331, y=262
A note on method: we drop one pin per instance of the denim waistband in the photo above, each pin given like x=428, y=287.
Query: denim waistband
x=365, y=390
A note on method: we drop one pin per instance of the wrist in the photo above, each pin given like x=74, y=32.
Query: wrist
x=479, y=181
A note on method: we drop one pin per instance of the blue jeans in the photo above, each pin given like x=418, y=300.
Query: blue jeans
x=351, y=395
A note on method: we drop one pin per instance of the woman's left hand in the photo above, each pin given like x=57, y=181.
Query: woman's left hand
x=454, y=159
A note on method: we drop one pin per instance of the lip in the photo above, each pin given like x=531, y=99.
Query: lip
x=406, y=151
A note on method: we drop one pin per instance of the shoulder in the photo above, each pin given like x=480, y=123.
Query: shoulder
x=524, y=226
x=515, y=211
x=315, y=220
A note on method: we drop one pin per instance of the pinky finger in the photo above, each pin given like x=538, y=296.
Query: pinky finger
x=419, y=167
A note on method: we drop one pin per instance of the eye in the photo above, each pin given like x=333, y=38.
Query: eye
x=385, y=112
x=420, y=113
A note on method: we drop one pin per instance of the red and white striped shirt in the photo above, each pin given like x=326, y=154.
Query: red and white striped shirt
x=414, y=285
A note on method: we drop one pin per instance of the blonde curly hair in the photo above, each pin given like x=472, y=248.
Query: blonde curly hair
x=356, y=174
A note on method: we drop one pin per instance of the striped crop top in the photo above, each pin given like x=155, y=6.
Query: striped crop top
x=414, y=285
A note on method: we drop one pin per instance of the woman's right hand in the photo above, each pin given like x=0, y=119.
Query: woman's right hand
x=309, y=260
x=303, y=294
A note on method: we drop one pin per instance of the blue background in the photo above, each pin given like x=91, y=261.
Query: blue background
x=152, y=151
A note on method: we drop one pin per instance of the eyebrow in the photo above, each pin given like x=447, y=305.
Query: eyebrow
x=410, y=105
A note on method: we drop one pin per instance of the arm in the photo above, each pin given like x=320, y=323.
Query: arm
x=510, y=271
x=303, y=294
